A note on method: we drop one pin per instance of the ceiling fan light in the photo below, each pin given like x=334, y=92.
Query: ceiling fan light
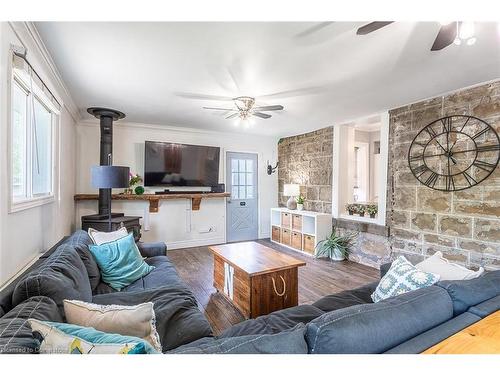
x=466, y=30
x=457, y=41
x=471, y=41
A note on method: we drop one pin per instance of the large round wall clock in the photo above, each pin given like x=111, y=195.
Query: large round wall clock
x=454, y=153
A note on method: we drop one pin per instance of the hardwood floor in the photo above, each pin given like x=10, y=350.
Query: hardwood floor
x=317, y=279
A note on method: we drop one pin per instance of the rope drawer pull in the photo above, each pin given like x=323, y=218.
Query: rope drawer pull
x=284, y=286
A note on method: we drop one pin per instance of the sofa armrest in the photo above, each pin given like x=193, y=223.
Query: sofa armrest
x=384, y=268
x=152, y=249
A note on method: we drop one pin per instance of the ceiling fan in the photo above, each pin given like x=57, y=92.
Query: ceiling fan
x=244, y=108
x=450, y=32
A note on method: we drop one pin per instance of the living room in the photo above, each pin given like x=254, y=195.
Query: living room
x=257, y=186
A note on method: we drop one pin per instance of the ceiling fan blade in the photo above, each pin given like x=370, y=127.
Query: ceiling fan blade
x=261, y=115
x=236, y=114
x=269, y=108
x=190, y=95
x=313, y=29
x=446, y=36
x=219, y=109
x=371, y=27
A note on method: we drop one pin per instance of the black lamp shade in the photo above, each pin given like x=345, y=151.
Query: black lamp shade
x=110, y=176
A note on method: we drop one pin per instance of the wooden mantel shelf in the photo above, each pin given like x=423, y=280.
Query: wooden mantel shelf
x=154, y=199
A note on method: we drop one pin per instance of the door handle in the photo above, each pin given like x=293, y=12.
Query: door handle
x=228, y=199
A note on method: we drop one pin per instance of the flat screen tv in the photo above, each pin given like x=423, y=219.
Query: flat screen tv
x=175, y=164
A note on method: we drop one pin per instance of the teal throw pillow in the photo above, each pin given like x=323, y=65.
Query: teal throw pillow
x=120, y=262
x=401, y=278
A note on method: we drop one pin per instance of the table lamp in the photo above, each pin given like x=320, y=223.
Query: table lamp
x=109, y=177
x=292, y=191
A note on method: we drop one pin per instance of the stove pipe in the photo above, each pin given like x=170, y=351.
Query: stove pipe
x=106, y=117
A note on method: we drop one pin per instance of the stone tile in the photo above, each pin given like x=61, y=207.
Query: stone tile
x=404, y=198
x=474, y=193
x=488, y=107
x=400, y=218
x=455, y=226
x=454, y=255
x=479, y=247
x=406, y=234
x=312, y=193
x=487, y=261
x=425, y=222
x=325, y=193
x=433, y=200
x=478, y=208
x=411, y=257
x=487, y=230
x=440, y=240
x=423, y=117
x=491, y=193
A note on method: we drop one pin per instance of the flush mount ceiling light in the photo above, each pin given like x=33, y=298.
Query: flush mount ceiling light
x=244, y=108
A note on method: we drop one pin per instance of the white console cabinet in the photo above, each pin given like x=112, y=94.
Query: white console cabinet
x=299, y=230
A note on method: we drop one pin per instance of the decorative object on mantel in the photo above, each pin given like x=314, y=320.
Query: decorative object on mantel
x=300, y=202
x=271, y=169
x=291, y=190
x=134, y=181
x=361, y=209
x=372, y=210
x=335, y=246
x=454, y=153
x=351, y=208
x=139, y=190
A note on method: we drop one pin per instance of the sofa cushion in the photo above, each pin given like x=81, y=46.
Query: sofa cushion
x=447, y=270
x=486, y=308
x=467, y=293
x=98, y=238
x=15, y=332
x=163, y=274
x=346, y=298
x=377, y=327
x=178, y=320
x=152, y=249
x=435, y=335
x=61, y=276
x=88, y=260
x=287, y=342
x=274, y=322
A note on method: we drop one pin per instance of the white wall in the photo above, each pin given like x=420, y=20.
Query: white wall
x=24, y=234
x=175, y=223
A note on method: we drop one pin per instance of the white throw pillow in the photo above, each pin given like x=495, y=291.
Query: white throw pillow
x=137, y=321
x=104, y=237
x=448, y=271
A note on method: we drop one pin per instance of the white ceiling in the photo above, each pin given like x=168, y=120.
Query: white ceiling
x=321, y=73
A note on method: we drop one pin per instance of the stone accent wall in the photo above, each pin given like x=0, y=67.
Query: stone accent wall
x=306, y=160
x=464, y=225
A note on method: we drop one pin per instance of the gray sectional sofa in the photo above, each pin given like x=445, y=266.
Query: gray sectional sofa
x=346, y=322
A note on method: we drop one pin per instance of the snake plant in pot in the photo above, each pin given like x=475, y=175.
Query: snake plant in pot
x=336, y=246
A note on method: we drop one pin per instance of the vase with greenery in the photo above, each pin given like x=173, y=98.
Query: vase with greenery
x=133, y=183
x=336, y=246
x=361, y=209
x=351, y=208
x=300, y=202
x=372, y=210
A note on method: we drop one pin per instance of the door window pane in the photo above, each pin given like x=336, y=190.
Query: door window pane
x=242, y=179
x=234, y=165
x=249, y=192
x=42, y=150
x=242, y=194
x=242, y=165
x=19, y=117
x=249, y=179
x=234, y=192
x=249, y=166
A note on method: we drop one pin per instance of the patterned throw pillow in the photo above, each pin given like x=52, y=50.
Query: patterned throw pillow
x=401, y=278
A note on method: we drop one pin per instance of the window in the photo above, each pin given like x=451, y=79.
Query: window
x=359, y=190
x=34, y=114
x=242, y=179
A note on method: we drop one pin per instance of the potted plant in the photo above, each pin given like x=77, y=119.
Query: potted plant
x=336, y=247
x=351, y=208
x=361, y=209
x=133, y=183
x=300, y=202
x=372, y=210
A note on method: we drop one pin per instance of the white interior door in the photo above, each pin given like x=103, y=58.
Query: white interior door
x=242, y=207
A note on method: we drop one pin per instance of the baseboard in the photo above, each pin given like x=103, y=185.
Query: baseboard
x=195, y=243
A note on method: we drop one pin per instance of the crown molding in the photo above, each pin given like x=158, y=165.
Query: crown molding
x=31, y=40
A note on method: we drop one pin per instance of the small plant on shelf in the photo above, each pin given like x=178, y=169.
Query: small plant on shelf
x=351, y=208
x=336, y=246
x=361, y=209
x=300, y=202
x=372, y=210
x=133, y=183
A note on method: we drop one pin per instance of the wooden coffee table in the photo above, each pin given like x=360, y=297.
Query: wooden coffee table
x=482, y=337
x=257, y=280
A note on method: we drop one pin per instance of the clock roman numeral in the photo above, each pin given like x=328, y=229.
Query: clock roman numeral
x=432, y=179
x=420, y=144
x=447, y=124
x=450, y=183
x=431, y=131
x=484, y=165
x=469, y=179
x=420, y=170
x=416, y=157
x=487, y=148
x=477, y=135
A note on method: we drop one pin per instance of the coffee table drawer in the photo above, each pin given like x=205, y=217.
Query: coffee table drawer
x=297, y=240
x=309, y=243
x=286, y=237
x=276, y=234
